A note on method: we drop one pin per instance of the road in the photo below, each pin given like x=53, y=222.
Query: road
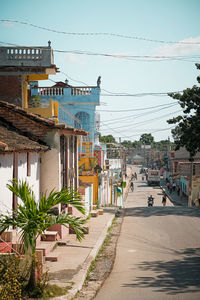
x=158, y=251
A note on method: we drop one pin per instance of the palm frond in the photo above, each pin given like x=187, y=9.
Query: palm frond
x=22, y=190
x=71, y=221
x=6, y=222
x=65, y=196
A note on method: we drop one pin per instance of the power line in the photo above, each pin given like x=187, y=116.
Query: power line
x=141, y=94
x=142, y=58
x=112, y=94
x=140, y=115
x=164, y=129
x=98, y=33
x=135, y=109
x=134, y=125
x=139, y=134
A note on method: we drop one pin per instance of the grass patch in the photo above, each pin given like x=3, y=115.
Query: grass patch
x=90, y=270
x=100, y=252
x=53, y=290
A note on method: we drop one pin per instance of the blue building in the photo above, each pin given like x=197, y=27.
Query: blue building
x=76, y=105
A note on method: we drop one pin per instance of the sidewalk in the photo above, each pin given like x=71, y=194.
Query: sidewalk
x=174, y=198
x=74, y=258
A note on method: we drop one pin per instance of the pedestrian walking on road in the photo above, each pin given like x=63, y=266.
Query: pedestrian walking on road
x=164, y=200
x=178, y=190
x=168, y=186
x=132, y=186
x=174, y=186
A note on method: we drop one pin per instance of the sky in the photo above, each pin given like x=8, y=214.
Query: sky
x=142, y=49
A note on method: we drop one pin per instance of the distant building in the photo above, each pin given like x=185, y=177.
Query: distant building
x=76, y=104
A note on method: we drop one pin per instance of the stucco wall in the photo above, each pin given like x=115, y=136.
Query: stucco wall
x=94, y=181
x=34, y=178
x=49, y=171
x=50, y=162
x=6, y=174
x=115, y=163
x=87, y=200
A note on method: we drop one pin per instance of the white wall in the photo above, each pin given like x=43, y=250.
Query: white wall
x=34, y=178
x=6, y=174
x=50, y=165
x=115, y=163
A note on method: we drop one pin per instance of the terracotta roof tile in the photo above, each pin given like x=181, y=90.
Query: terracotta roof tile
x=13, y=141
x=16, y=111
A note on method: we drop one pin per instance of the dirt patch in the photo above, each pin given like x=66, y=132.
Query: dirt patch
x=103, y=264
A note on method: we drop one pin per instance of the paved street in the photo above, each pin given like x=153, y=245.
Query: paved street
x=158, y=252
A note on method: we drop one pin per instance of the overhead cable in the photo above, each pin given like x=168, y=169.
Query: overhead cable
x=99, y=33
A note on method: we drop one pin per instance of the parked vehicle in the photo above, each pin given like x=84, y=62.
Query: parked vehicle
x=153, y=177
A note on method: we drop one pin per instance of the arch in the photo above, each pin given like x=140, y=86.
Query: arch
x=84, y=118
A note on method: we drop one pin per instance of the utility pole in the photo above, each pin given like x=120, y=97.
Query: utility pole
x=190, y=182
x=120, y=147
x=169, y=149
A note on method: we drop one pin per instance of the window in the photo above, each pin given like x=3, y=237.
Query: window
x=84, y=121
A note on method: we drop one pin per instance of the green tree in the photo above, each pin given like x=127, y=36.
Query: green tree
x=187, y=131
x=137, y=144
x=107, y=139
x=162, y=145
x=127, y=144
x=146, y=139
x=33, y=218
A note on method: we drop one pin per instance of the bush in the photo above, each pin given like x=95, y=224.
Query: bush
x=35, y=101
x=10, y=281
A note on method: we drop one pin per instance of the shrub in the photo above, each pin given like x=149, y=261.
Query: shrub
x=11, y=280
x=35, y=101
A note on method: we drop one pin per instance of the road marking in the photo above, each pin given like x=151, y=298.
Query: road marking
x=132, y=250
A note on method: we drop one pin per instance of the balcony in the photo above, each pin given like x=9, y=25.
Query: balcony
x=50, y=91
x=26, y=56
x=81, y=90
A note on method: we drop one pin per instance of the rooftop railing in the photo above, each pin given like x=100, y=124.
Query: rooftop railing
x=26, y=56
x=50, y=91
x=81, y=90
x=75, y=91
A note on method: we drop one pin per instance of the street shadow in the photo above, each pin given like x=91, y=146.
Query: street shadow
x=111, y=209
x=177, y=276
x=143, y=185
x=162, y=211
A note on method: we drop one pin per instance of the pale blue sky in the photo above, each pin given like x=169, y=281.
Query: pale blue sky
x=172, y=20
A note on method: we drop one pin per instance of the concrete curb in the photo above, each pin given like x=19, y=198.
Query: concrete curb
x=79, y=278
x=168, y=195
x=171, y=199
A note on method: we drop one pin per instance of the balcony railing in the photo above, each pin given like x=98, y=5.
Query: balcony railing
x=26, y=56
x=81, y=91
x=50, y=91
x=60, y=91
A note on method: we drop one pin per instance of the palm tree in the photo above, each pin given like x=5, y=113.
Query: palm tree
x=33, y=218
